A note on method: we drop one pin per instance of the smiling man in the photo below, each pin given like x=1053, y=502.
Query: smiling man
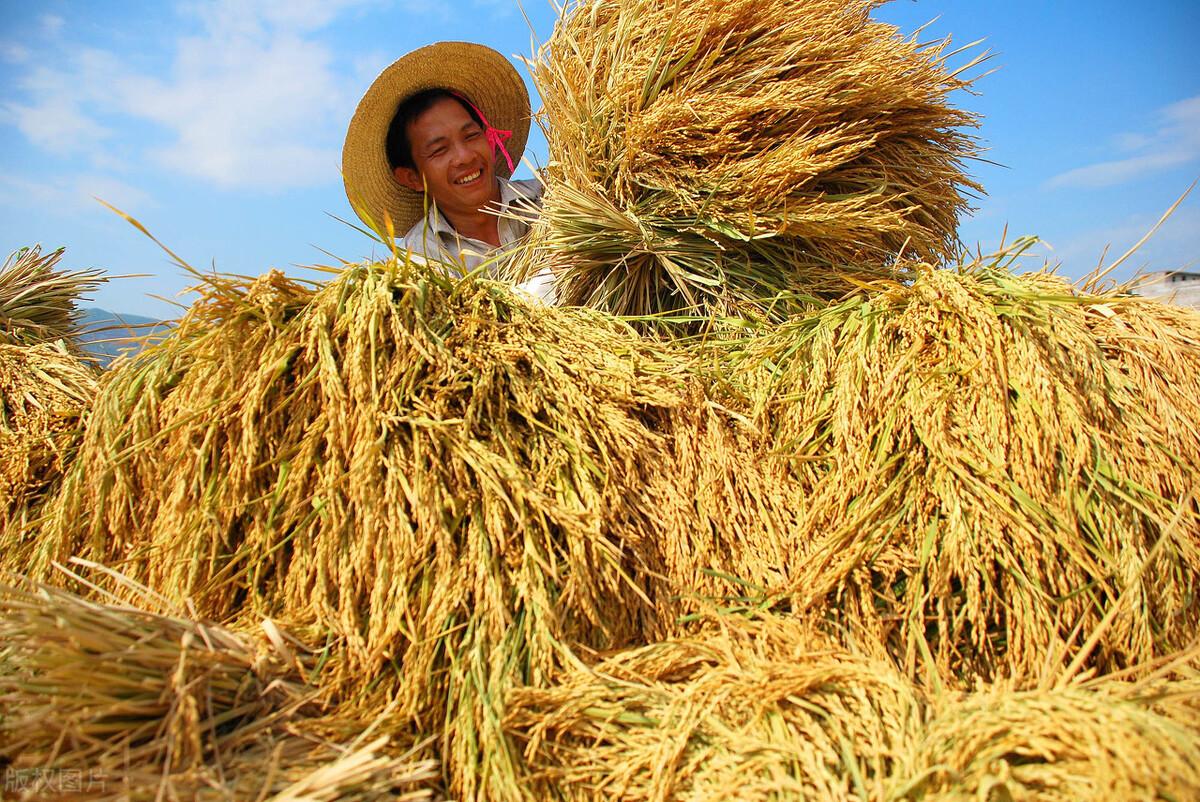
x=432, y=146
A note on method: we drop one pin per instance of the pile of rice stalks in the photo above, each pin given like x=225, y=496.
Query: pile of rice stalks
x=990, y=463
x=434, y=481
x=764, y=710
x=710, y=156
x=1108, y=740
x=446, y=489
x=44, y=385
x=767, y=709
x=115, y=703
x=44, y=389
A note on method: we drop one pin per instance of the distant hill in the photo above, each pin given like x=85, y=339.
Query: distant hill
x=109, y=334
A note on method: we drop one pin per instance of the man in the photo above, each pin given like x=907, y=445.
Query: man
x=432, y=146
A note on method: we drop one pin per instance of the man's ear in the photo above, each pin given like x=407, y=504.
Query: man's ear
x=408, y=177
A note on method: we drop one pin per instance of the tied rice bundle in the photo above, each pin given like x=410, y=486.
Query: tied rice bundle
x=986, y=468
x=439, y=481
x=38, y=302
x=116, y=703
x=767, y=709
x=743, y=155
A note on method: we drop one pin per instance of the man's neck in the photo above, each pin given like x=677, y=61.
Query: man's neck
x=479, y=225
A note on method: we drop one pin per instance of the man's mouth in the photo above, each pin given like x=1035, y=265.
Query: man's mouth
x=467, y=179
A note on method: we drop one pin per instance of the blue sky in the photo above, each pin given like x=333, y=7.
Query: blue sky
x=218, y=124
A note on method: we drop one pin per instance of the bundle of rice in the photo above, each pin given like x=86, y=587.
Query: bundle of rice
x=983, y=479
x=439, y=481
x=115, y=703
x=38, y=302
x=753, y=710
x=706, y=156
x=1074, y=744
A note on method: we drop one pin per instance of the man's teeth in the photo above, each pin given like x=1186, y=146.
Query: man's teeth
x=469, y=178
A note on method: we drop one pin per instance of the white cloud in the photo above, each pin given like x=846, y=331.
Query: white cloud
x=250, y=113
x=366, y=66
x=69, y=195
x=497, y=8
x=128, y=198
x=254, y=17
x=51, y=24
x=57, y=125
x=59, y=119
x=1175, y=246
x=14, y=53
x=1174, y=143
x=251, y=100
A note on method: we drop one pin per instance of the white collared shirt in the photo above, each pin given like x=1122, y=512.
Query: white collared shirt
x=433, y=238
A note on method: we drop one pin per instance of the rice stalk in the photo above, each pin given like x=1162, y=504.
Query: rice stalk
x=1111, y=740
x=771, y=708
x=748, y=709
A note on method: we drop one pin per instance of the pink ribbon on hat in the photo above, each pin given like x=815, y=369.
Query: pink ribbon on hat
x=496, y=137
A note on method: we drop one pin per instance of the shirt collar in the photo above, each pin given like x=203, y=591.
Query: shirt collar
x=509, y=194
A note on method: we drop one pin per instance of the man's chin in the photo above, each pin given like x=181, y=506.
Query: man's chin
x=481, y=193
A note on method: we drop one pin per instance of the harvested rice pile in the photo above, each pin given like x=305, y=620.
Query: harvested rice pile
x=403, y=533
x=121, y=704
x=45, y=386
x=1109, y=741
x=446, y=491
x=710, y=156
x=988, y=462
x=435, y=480
x=768, y=710
x=1155, y=349
x=43, y=391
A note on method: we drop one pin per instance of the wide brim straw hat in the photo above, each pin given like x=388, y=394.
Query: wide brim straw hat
x=479, y=73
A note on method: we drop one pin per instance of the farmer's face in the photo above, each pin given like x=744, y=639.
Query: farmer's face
x=454, y=161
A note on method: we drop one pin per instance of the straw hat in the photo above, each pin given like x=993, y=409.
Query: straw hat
x=481, y=74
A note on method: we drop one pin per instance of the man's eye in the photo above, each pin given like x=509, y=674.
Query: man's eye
x=437, y=152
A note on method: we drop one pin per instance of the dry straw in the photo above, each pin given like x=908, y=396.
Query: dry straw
x=117, y=703
x=1154, y=348
x=707, y=156
x=442, y=487
x=988, y=461
x=771, y=709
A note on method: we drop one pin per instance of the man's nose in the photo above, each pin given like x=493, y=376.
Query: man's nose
x=460, y=153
